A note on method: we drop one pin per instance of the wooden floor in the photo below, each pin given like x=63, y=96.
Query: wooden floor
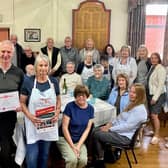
x=148, y=156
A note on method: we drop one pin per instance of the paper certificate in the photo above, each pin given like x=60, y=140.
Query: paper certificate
x=9, y=101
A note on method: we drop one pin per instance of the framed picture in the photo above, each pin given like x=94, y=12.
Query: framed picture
x=32, y=35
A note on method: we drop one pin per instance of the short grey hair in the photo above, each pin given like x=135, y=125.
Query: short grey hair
x=70, y=62
x=7, y=42
x=98, y=66
x=40, y=58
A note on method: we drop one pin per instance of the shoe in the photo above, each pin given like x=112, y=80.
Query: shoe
x=138, y=144
x=166, y=144
x=99, y=164
x=155, y=140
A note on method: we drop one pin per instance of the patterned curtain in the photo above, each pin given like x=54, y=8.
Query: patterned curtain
x=165, y=52
x=136, y=24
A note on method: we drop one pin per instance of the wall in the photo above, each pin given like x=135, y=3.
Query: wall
x=54, y=18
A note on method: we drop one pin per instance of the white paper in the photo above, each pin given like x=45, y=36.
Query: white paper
x=9, y=101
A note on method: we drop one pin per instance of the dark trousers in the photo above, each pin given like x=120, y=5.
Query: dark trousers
x=7, y=153
x=101, y=138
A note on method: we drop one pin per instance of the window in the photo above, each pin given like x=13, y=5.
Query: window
x=155, y=27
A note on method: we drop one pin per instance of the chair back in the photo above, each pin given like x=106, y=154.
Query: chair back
x=134, y=138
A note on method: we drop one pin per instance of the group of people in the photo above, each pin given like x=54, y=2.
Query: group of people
x=121, y=80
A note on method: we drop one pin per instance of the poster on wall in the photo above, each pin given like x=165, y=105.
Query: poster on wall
x=32, y=35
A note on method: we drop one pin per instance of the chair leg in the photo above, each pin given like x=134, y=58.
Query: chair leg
x=128, y=158
x=133, y=153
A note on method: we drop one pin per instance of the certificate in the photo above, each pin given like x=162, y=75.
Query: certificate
x=9, y=101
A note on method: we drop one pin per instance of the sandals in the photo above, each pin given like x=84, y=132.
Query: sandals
x=155, y=140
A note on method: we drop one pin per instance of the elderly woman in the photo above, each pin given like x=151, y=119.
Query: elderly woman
x=98, y=84
x=156, y=92
x=125, y=64
x=119, y=94
x=76, y=125
x=71, y=78
x=143, y=64
x=40, y=101
x=85, y=68
x=121, y=129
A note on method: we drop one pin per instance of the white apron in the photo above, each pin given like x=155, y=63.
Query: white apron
x=40, y=100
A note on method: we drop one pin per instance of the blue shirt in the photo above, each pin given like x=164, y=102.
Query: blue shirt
x=127, y=122
x=28, y=85
x=123, y=101
x=79, y=119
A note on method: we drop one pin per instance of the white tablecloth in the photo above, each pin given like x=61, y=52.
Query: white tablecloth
x=104, y=112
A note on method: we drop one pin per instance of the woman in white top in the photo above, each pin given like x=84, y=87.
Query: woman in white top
x=85, y=68
x=125, y=64
x=156, y=93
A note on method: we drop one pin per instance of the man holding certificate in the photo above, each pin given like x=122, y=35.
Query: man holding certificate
x=11, y=79
x=41, y=103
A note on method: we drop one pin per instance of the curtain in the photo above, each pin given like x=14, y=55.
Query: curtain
x=156, y=1
x=136, y=24
x=165, y=51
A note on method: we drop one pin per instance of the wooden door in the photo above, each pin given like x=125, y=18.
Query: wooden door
x=91, y=20
x=4, y=34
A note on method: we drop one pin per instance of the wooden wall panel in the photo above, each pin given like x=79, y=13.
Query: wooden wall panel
x=4, y=34
x=91, y=20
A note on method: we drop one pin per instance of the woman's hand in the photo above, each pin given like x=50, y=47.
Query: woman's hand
x=18, y=109
x=106, y=127
x=34, y=119
x=76, y=151
x=56, y=116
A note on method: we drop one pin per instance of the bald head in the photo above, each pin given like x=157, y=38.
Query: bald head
x=13, y=38
x=30, y=70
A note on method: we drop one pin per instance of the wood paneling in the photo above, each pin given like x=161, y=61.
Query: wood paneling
x=91, y=20
x=4, y=34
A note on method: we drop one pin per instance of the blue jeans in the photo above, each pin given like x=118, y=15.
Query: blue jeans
x=37, y=154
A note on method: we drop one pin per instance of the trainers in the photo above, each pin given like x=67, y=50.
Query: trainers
x=138, y=144
x=166, y=144
x=155, y=140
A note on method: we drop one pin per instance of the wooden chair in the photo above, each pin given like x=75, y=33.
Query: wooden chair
x=130, y=146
